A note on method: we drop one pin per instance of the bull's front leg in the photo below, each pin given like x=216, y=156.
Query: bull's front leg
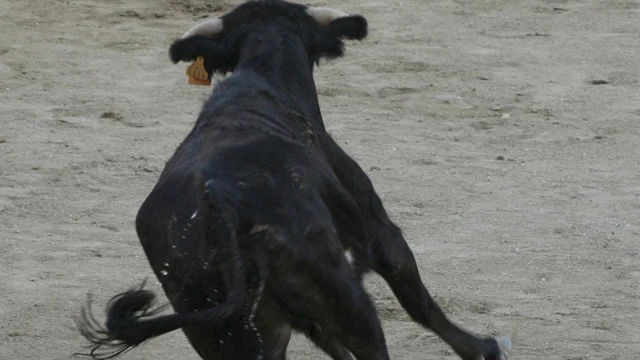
x=394, y=261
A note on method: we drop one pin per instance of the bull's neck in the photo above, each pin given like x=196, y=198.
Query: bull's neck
x=283, y=62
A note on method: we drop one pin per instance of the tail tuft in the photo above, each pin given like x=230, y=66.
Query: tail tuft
x=121, y=332
x=131, y=315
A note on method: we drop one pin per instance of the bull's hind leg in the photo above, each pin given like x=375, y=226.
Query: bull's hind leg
x=325, y=341
x=339, y=307
x=277, y=333
x=395, y=262
x=331, y=346
x=274, y=329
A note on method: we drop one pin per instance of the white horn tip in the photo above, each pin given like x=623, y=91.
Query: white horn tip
x=325, y=16
x=206, y=28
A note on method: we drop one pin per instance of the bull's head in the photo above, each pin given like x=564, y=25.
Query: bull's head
x=220, y=40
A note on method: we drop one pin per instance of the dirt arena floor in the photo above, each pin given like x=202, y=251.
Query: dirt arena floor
x=502, y=136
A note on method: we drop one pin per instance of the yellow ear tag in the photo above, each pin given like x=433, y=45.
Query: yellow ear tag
x=197, y=74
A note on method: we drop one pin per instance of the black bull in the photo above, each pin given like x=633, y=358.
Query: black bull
x=260, y=223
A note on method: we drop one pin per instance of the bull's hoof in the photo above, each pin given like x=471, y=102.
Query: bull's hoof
x=498, y=349
x=502, y=348
x=504, y=344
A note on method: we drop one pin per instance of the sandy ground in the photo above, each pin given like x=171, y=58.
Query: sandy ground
x=502, y=136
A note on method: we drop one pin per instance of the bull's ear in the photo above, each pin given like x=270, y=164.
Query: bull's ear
x=335, y=30
x=349, y=27
x=217, y=56
x=188, y=49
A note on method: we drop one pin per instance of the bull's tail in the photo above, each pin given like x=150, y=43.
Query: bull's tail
x=131, y=316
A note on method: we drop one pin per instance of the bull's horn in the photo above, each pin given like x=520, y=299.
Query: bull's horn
x=207, y=28
x=324, y=15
